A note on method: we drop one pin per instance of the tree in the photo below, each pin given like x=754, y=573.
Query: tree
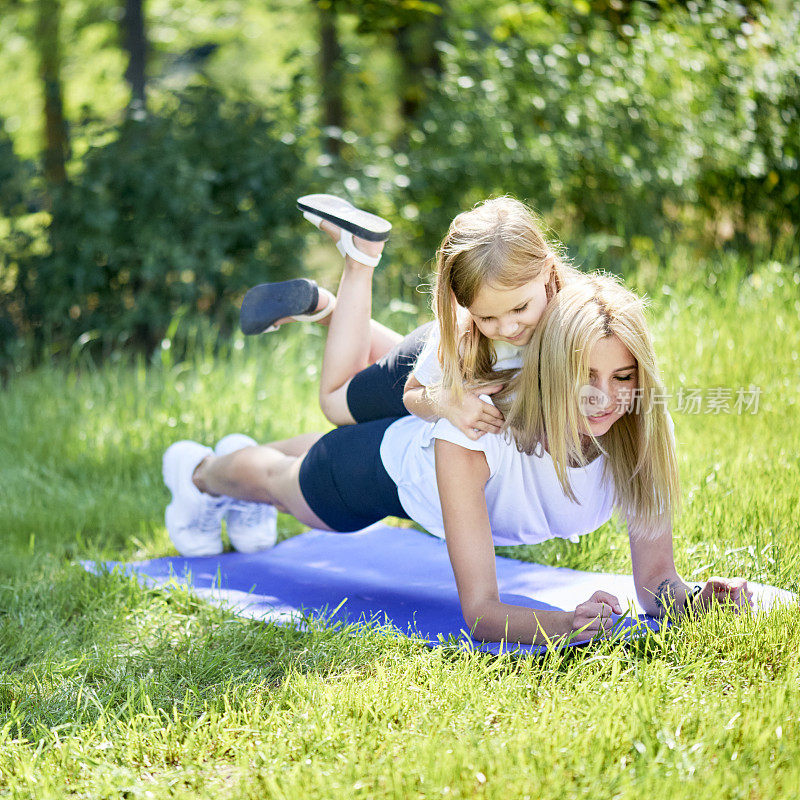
x=331, y=76
x=420, y=62
x=414, y=27
x=47, y=40
x=134, y=41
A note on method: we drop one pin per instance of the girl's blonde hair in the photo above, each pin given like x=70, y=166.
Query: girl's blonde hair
x=545, y=408
x=499, y=243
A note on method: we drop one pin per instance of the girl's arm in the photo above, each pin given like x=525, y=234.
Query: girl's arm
x=417, y=401
x=461, y=475
x=472, y=416
x=658, y=585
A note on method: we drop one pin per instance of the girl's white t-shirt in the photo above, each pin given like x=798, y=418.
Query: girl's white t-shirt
x=428, y=369
x=524, y=498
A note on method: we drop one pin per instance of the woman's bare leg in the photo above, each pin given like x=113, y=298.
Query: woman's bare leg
x=259, y=474
x=297, y=445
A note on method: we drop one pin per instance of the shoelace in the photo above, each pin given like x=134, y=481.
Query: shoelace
x=250, y=514
x=211, y=517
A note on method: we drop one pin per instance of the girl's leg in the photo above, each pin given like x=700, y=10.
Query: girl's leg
x=381, y=338
x=354, y=340
x=260, y=474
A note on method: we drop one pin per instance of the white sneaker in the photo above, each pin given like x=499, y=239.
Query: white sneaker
x=251, y=526
x=194, y=519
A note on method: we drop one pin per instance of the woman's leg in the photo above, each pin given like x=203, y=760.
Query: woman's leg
x=297, y=445
x=260, y=474
x=341, y=478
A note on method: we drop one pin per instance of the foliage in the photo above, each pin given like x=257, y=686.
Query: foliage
x=635, y=128
x=681, y=128
x=385, y=15
x=16, y=175
x=180, y=211
x=16, y=203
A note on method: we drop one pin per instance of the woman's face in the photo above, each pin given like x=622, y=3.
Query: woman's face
x=510, y=315
x=613, y=379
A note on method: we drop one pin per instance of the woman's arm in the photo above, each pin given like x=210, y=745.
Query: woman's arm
x=472, y=416
x=461, y=475
x=659, y=588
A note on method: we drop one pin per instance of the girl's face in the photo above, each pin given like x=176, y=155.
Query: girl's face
x=613, y=379
x=510, y=315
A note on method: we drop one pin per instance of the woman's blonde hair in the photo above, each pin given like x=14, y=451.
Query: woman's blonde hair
x=545, y=407
x=498, y=243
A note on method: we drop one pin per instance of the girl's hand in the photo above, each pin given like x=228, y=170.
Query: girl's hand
x=473, y=416
x=595, y=614
x=725, y=591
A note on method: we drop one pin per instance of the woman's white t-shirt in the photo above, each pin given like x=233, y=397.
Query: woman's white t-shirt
x=524, y=498
x=428, y=369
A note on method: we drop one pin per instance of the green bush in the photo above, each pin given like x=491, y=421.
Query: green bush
x=16, y=203
x=175, y=213
x=680, y=127
x=749, y=184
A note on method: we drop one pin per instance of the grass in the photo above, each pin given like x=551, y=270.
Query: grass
x=110, y=689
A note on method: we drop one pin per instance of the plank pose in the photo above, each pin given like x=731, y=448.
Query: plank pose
x=559, y=468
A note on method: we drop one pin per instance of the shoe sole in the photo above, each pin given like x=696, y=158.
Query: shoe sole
x=338, y=211
x=266, y=303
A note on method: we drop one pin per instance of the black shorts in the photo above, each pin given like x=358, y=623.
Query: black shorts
x=343, y=479
x=377, y=391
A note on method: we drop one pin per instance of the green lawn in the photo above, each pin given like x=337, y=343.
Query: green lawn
x=109, y=689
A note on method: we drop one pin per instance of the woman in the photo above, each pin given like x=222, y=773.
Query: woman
x=560, y=468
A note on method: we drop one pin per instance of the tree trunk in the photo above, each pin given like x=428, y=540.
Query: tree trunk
x=56, y=142
x=420, y=63
x=134, y=40
x=331, y=76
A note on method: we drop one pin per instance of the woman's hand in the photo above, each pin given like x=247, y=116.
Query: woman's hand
x=731, y=592
x=471, y=415
x=595, y=614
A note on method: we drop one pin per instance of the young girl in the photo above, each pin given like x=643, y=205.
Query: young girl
x=495, y=272
x=560, y=472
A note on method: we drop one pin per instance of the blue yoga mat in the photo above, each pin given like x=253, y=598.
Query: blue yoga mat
x=384, y=575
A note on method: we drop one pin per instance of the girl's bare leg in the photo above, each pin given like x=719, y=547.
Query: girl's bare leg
x=260, y=474
x=354, y=340
x=381, y=338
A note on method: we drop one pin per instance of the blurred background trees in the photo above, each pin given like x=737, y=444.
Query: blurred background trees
x=150, y=152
